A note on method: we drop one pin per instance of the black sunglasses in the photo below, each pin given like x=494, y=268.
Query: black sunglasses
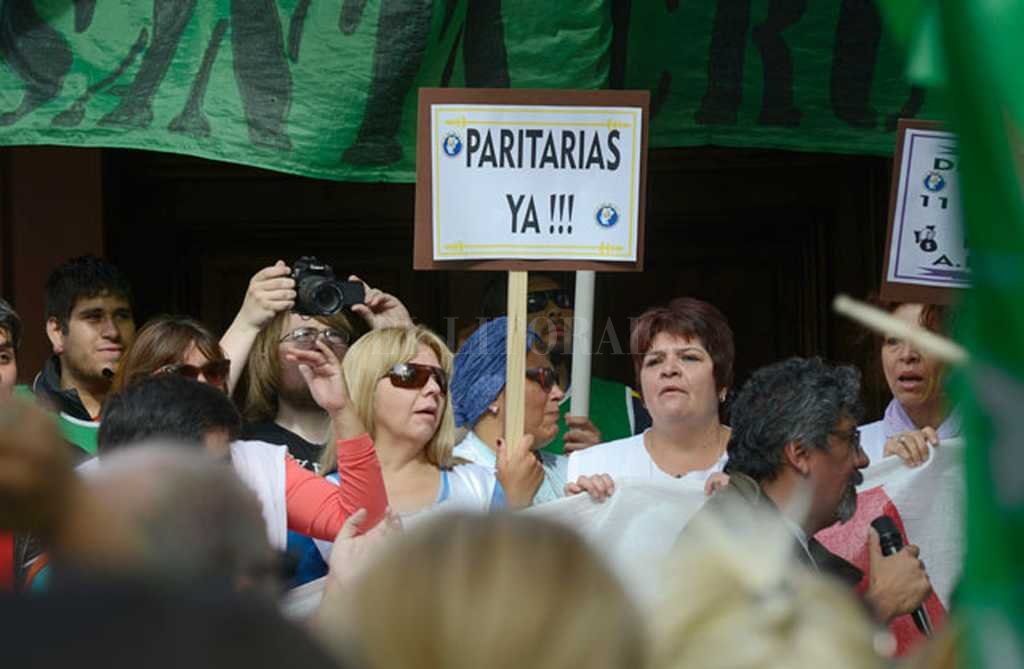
x=545, y=376
x=538, y=299
x=215, y=372
x=415, y=375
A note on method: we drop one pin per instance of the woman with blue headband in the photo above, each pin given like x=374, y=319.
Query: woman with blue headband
x=478, y=395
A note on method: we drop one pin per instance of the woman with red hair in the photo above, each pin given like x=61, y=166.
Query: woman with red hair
x=683, y=356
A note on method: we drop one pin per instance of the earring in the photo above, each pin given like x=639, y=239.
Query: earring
x=721, y=397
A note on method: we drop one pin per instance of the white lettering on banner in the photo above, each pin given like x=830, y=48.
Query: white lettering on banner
x=928, y=246
x=535, y=182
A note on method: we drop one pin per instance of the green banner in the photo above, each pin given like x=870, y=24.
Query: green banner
x=328, y=89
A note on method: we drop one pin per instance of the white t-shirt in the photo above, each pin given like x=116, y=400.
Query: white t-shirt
x=628, y=458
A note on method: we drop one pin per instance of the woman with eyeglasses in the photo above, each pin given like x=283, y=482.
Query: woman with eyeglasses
x=683, y=357
x=920, y=413
x=292, y=497
x=398, y=379
x=478, y=392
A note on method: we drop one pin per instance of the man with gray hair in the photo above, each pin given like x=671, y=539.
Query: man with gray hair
x=168, y=516
x=795, y=453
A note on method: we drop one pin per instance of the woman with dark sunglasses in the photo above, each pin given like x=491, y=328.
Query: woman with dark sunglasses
x=176, y=345
x=293, y=498
x=398, y=378
x=478, y=391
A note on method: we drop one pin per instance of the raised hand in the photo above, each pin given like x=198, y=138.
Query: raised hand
x=581, y=434
x=321, y=370
x=271, y=291
x=380, y=309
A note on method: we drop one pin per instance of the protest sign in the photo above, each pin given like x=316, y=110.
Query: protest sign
x=530, y=179
x=552, y=177
x=926, y=257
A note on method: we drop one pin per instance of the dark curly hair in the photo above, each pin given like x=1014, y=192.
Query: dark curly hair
x=799, y=399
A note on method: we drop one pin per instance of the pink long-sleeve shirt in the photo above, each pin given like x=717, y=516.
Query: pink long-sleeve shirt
x=318, y=508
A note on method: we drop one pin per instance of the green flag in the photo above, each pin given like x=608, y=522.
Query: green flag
x=975, y=49
x=329, y=89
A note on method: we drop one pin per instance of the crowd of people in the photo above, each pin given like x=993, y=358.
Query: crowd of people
x=166, y=475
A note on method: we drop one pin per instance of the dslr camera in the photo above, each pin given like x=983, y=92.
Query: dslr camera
x=319, y=292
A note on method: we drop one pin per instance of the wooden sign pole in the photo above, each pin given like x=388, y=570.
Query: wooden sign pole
x=515, y=369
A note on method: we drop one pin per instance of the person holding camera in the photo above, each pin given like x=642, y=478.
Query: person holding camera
x=289, y=309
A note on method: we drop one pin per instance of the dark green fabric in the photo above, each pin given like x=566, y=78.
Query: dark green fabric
x=330, y=89
x=609, y=412
x=971, y=53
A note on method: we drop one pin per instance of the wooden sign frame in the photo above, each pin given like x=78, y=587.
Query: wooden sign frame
x=423, y=257
x=892, y=291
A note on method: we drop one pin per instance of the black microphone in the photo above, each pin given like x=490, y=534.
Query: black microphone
x=107, y=373
x=891, y=541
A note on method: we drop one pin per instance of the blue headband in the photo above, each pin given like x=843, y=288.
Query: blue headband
x=480, y=370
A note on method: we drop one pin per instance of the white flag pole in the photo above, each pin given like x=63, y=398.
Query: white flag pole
x=582, y=343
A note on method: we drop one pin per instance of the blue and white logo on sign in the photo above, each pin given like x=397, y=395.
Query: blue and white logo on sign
x=607, y=215
x=934, y=182
x=452, y=144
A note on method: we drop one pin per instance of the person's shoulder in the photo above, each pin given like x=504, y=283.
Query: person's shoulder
x=256, y=448
x=616, y=446
x=606, y=458
x=469, y=449
x=472, y=472
x=471, y=483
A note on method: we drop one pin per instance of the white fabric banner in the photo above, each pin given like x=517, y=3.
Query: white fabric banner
x=637, y=527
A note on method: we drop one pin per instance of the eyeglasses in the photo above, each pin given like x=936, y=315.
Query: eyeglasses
x=538, y=299
x=545, y=376
x=305, y=338
x=415, y=375
x=852, y=437
x=215, y=372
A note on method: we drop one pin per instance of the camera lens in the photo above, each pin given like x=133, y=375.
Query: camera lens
x=327, y=298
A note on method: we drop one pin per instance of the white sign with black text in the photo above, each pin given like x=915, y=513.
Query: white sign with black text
x=927, y=244
x=535, y=182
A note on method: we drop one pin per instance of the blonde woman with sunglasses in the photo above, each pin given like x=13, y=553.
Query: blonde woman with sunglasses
x=398, y=380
